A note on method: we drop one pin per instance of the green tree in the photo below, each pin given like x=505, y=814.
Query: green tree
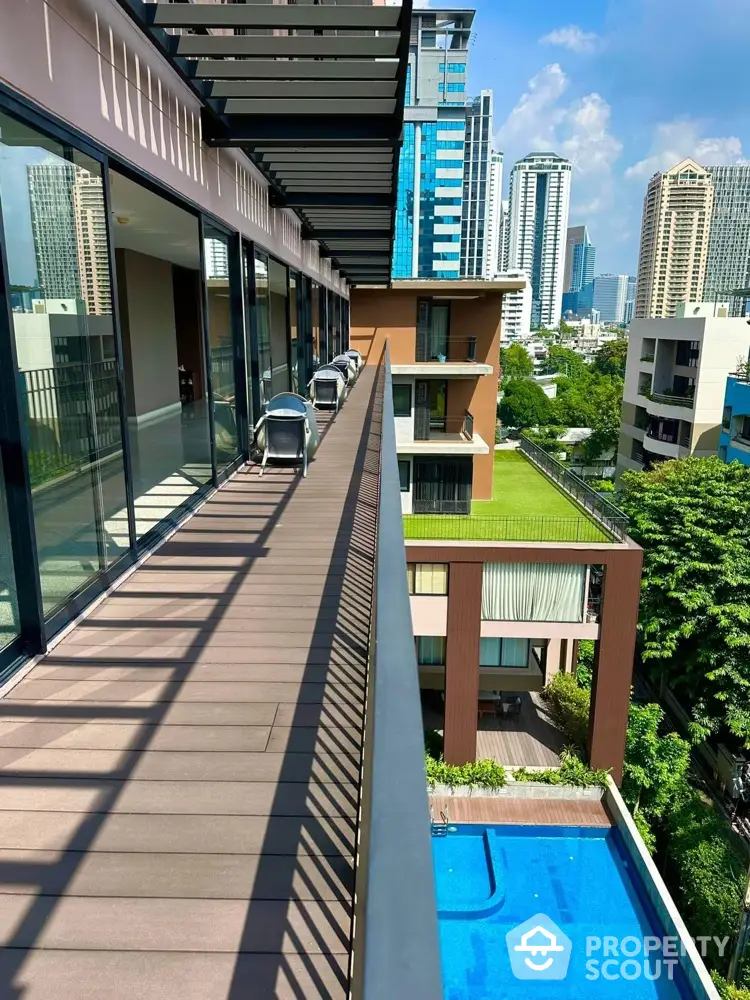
x=523, y=404
x=610, y=358
x=547, y=438
x=565, y=361
x=692, y=518
x=515, y=362
x=605, y=392
x=655, y=766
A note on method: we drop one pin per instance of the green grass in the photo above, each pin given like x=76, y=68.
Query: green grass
x=525, y=507
x=520, y=489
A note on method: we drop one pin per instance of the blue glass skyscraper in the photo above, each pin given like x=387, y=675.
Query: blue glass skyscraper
x=431, y=169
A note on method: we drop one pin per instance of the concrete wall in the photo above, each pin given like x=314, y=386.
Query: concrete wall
x=149, y=333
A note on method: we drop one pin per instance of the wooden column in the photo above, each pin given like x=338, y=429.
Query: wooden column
x=462, y=661
x=613, y=665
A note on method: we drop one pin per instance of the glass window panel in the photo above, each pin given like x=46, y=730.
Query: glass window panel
x=431, y=650
x=431, y=578
x=221, y=344
x=160, y=289
x=489, y=652
x=515, y=653
x=61, y=297
x=279, y=293
x=404, y=474
x=401, y=400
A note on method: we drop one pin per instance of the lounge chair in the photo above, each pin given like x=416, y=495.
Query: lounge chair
x=356, y=358
x=286, y=432
x=327, y=387
x=347, y=366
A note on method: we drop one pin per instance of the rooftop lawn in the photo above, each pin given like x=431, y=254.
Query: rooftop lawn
x=525, y=506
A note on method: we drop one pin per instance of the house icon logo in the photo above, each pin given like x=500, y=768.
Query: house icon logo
x=538, y=949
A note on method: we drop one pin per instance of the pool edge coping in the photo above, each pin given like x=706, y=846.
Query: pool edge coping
x=689, y=958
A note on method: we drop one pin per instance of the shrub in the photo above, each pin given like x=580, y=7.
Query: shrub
x=602, y=485
x=483, y=773
x=570, y=704
x=705, y=870
x=572, y=771
x=585, y=665
x=728, y=991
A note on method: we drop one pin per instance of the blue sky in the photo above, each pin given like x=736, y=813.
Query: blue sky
x=622, y=88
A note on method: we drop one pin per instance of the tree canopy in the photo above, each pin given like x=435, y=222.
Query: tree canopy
x=692, y=518
x=515, y=362
x=524, y=404
x=565, y=361
x=610, y=358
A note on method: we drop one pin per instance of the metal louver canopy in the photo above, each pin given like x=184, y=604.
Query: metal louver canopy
x=314, y=93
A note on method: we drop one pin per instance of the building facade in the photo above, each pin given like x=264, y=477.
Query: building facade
x=481, y=191
x=734, y=437
x=433, y=158
x=498, y=600
x=495, y=228
x=575, y=236
x=538, y=222
x=610, y=295
x=674, y=246
x=675, y=379
x=728, y=264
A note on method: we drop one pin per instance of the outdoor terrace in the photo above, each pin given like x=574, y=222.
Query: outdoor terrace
x=191, y=782
x=535, y=499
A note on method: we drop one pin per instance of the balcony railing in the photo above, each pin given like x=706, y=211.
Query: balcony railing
x=461, y=427
x=648, y=357
x=671, y=399
x=422, y=506
x=396, y=948
x=439, y=348
x=610, y=516
x=503, y=528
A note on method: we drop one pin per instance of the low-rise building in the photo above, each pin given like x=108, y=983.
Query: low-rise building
x=734, y=437
x=674, y=385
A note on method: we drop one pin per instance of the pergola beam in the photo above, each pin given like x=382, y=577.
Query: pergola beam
x=286, y=46
x=344, y=17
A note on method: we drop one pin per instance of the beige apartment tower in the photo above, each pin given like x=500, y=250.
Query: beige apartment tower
x=674, y=240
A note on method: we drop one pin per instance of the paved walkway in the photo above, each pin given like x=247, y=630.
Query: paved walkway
x=179, y=777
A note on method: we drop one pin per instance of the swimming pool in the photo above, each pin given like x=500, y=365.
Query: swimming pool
x=491, y=881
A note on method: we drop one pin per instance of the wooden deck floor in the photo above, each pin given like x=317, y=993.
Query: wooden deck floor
x=530, y=740
x=179, y=777
x=542, y=812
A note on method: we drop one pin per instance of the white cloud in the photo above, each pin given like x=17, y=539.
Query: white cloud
x=673, y=141
x=573, y=38
x=578, y=130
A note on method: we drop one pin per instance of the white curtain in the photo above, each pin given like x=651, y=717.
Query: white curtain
x=533, y=592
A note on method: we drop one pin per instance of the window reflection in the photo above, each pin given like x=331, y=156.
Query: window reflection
x=216, y=257
x=61, y=301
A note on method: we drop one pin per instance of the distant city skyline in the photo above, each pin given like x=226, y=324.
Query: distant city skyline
x=595, y=83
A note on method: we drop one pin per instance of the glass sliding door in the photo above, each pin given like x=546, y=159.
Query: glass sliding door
x=251, y=335
x=280, y=350
x=263, y=322
x=295, y=298
x=159, y=287
x=216, y=251
x=317, y=360
x=56, y=240
x=9, y=622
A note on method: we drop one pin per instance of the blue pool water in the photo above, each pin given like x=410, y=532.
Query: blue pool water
x=491, y=879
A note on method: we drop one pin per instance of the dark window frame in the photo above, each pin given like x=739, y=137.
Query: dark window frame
x=399, y=410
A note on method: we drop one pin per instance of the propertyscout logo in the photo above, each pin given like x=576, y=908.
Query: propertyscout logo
x=538, y=949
